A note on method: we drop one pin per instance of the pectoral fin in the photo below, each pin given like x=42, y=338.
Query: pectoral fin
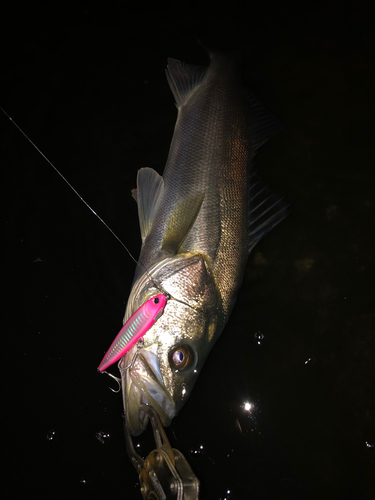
x=181, y=221
x=150, y=188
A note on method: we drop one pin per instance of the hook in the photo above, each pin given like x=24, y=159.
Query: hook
x=118, y=380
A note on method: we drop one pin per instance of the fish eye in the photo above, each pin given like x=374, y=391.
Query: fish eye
x=156, y=300
x=182, y=357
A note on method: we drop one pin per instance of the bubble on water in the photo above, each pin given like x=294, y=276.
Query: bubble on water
x=197, y=451
x=51, y=435
x=259, y=337
x=102, y=436
x=227, y=495
x=310, y=361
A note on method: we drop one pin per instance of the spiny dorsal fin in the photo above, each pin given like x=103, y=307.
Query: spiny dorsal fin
x=264, y=124
x=150, y=188
x=183, y=79
x=181, y=221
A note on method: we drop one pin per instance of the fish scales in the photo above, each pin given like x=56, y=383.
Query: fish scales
x=209, y=154
x=198, y=222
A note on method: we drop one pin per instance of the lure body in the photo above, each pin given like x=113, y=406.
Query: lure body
x=134, y=329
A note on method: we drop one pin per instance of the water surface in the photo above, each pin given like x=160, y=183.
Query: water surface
x=88, y=86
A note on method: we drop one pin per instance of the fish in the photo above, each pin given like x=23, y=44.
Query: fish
x=199, y=221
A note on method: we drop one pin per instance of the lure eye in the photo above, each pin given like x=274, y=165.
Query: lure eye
x=182, y=357
x=156, y=300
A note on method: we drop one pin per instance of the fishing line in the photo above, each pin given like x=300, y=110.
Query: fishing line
x=157, y=285
x=68, y=183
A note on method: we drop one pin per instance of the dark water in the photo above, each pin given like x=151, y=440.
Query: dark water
x=88, y=86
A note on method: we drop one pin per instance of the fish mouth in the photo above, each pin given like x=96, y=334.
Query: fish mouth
x=142, y=383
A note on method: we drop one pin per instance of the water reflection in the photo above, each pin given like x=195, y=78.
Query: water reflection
x=310, y=361
x=259, y=337
x=102, y=436
x=51, y=435
x=246, y=420
x=247, y=406
x=197, y=451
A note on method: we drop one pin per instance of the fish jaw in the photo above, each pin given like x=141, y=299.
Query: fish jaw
x=143, y=384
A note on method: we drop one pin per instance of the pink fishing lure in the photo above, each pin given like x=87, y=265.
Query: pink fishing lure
x=134, y=329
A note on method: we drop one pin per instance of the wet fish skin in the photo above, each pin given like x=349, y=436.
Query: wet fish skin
x=209, y=155
x=198, y=223
x=190, y=320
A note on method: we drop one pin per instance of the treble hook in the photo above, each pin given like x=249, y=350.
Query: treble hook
x=118, y=380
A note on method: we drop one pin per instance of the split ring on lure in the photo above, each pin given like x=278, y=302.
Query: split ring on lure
x=134, y=329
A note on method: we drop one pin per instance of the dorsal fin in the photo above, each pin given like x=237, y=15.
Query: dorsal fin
x=183, y=79
x=266, y=210
x=150, y=189
x=264, y=124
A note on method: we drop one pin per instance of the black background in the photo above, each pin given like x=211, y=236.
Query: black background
x=87, y=84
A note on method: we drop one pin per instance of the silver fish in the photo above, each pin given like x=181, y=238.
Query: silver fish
x=198, y=221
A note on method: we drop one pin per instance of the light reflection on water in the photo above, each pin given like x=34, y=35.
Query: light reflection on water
x=306, y=297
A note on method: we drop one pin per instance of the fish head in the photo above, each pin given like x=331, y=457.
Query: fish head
x=162, y=368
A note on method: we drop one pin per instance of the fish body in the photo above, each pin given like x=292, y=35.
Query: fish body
x=199, y=221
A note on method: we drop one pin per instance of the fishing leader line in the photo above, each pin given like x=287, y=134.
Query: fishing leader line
x=68, y=183
x=157, y=284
